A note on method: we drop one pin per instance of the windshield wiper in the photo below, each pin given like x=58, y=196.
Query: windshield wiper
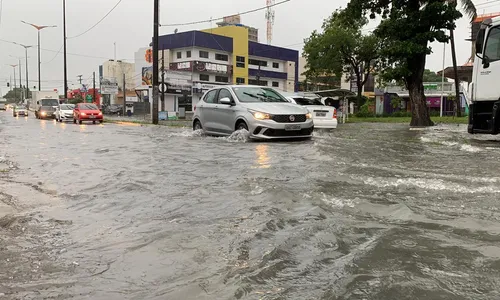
x=271, y=98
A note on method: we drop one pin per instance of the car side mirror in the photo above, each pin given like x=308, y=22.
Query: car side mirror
x=225, y=101
x=486, y=62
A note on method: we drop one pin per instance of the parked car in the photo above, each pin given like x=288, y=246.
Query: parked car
x=64, y=112
x=262, y=111
x=87, y=112
x=19, y=111
x=324, y=117
x=46, y=112
x=113, y=109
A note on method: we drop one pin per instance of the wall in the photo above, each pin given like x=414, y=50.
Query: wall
x=140, y=62
x=116, y=69
x=239, y=36
x=195, y=55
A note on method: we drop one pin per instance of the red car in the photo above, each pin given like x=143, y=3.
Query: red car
x=87, y=112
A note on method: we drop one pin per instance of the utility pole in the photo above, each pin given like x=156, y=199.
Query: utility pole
x=64, y=45
x=156, y=25
x=93, y=87
x=80, y=78
x=124, y=96
x=163, y=78
x=20, y=82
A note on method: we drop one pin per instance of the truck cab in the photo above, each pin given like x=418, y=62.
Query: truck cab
x=484, y=111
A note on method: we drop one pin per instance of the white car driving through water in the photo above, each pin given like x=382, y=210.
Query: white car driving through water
x=262, y=111
x=324, y=117
x=64, y=112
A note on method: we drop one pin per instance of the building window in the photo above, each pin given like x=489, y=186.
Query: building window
x=240, y=61
x=276, y=84
x=257, y=82
x=256, y=62
x=276, y=65
x=240, y=80
x=203, y=54
x=188, y=54
x=222, y=57
x=221, y=79
x=204, y=77
x=179, y=54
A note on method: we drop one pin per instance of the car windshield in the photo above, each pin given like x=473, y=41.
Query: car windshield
x=67, y=107
x=49, y=102
x=88, y=107
x=257, y=94
x=19, y=107
x=47, y=108
x=307, y=101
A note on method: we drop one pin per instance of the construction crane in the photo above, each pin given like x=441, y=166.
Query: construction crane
x=270, y=20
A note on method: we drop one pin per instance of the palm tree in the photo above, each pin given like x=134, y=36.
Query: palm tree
x=469, y=9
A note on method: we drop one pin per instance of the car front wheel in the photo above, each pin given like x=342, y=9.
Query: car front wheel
x=197, y=125
x=242, y=126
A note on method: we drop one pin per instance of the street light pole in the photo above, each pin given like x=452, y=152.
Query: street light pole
x=156, y=25
x=65, y=61
x=39, y=28
x=27, y=69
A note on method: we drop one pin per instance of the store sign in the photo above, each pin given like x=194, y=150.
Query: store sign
x=178, y=83
x=201, y=66
x=109, y=86
x=200, y=88
x=430, y=87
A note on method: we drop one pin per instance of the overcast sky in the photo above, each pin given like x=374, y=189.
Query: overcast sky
x=130, y=26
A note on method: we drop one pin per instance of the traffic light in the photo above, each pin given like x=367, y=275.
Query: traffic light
x=8, y=84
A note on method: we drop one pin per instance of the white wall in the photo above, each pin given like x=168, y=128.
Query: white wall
x=270, y=62
x=195, y=55
x=116, y=70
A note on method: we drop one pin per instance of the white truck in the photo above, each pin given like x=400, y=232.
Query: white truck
x=46, y=99
x=484, y=110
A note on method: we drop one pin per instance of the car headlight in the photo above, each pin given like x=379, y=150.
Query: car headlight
x=309, y=116
x=43, y=113
x=83, y=114
x=260, y=115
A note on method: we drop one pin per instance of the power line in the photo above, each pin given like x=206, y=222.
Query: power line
x=57, y=54
x=221, y=18
x=109, y=12
x=486, y=3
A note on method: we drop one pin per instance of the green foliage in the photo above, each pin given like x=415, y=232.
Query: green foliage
x=14, y=95
x=77, y=99
x=430, y=76
x=395, y=102
x=342, y=48
x=406, y=29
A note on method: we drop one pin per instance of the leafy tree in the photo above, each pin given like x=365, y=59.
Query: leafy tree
x=77, y=99
x=14, y=95
x=430, y=76
x=342, y=49
x=406, y=29
x=468, y=8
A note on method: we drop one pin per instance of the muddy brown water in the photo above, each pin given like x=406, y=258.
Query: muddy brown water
x=369, y=211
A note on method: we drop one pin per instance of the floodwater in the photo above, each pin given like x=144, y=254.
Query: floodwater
x=369, y=211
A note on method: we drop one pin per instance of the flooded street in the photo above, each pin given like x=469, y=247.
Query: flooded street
x=369, y=211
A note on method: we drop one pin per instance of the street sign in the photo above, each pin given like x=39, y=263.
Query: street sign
x=89, y=98
x=163, y=87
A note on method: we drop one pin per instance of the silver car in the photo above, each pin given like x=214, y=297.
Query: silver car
x=262, y=111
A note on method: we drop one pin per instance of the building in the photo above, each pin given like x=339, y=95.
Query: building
x=196, y=61
x=253, y=33
x=113, y=72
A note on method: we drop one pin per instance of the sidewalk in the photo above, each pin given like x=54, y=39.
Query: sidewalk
x=147, y=120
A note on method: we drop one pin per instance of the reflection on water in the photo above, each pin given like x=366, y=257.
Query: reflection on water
x=83, y=127
x=263, y=160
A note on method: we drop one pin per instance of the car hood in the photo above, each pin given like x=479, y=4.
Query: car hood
x=90, y=111
x=276, y=108
x=67, y=111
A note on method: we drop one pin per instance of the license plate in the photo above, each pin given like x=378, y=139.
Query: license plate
x=292, y=127
x=320, y=114
x=92, y=117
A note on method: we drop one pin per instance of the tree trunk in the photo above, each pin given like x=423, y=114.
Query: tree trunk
x=458, y=102
x=420, y=115
x=419, y=111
